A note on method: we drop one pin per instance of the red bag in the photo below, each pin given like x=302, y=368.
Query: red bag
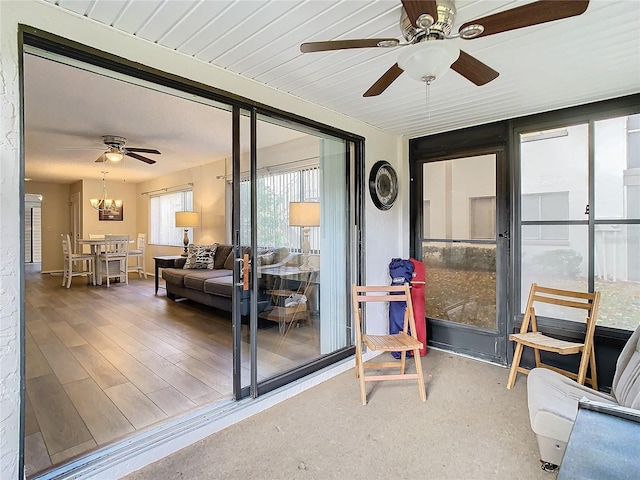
x=418, y=283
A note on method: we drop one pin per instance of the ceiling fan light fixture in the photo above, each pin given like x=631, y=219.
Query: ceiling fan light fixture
x=114, y=156
x=428, y=60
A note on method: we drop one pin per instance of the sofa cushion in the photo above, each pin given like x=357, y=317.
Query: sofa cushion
x=222, y=286
x=197, y=278
x=222, y=252
x=175, y=276
x=228, y=264
x=200, y=257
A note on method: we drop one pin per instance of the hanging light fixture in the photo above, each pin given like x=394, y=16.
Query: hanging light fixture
x=114, y=155
x=428, y=60
x=104, y=203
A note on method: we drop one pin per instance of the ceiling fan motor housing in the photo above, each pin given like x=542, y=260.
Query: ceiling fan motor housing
x=440, y=29
x=114, y=141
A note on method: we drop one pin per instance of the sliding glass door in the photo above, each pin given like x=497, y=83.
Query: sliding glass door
x=293, y=229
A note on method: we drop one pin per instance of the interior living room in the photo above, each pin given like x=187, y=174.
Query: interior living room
x=254, y=183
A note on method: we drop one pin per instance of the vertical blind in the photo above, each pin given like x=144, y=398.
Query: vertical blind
x=275, y=191
x=162, y=228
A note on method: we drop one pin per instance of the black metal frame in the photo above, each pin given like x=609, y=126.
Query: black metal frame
x=608, y=341
x=30, y=37
x=488, y=344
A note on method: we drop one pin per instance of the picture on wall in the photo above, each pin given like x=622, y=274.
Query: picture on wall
x=111, y=214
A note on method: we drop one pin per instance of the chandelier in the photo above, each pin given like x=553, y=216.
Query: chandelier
x=105, y=203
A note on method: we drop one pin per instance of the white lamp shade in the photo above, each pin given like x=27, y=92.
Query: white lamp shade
x=304, y=214
x=431, y=58
x=187, y=219
x=114, y=156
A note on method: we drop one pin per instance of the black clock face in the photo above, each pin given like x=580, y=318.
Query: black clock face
x=383, y=185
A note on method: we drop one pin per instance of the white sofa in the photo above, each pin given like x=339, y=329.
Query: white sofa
x=553, y=400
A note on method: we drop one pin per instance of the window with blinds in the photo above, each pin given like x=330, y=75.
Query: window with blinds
x=162, y=218
x=275, y=191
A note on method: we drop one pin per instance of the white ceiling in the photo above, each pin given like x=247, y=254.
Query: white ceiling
x=572, y=61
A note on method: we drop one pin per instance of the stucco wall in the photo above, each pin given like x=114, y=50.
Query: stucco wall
x=53, y=19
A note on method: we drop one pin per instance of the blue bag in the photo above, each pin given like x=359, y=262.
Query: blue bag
x=401, y=272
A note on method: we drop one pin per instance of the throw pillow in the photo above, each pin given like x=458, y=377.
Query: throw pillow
x=221, y=255
x=200, y=257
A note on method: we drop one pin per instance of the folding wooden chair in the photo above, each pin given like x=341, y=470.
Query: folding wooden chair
x=539, y=341
x=404, y=341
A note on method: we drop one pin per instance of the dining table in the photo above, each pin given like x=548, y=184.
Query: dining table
x=96, y=245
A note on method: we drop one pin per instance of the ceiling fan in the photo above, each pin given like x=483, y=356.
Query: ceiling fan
x=426, y=26
x=116, y=150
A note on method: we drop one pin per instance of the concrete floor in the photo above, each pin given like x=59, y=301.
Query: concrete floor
x=471, y=427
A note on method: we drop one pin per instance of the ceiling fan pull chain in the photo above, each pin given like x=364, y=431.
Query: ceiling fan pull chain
x=427, y=96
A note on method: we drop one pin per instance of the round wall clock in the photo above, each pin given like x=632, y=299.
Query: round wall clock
x=383, y=185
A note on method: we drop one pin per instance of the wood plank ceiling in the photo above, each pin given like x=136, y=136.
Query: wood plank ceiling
x=562, y=63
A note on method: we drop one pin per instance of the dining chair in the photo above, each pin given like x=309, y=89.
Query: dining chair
x=404, y=341
x=538, y=341
x=69, y=258
x=116, y=249
x=138, y=254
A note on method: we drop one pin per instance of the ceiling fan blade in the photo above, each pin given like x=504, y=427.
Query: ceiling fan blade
x=344, y=44
x=473, y=69
x=415, y=8
x=530, y=14
x=140, y=157
x=142, y=150
x=384, y=81
x=101, y=159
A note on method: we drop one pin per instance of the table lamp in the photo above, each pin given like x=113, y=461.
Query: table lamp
x=186, y=220
x=305, y=215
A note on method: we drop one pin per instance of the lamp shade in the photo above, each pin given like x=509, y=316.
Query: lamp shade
x=429, y=59
x=304, y=214
x=114, y=156
x=187, y=219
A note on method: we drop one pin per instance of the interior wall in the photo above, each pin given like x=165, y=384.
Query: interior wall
x=116, y=189
x=50, y=18
x=56, y=220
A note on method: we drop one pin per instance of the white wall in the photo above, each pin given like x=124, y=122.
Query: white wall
x=52, y=19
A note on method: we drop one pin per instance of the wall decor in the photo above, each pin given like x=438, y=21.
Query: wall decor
x=111, y=214
x=383, y=185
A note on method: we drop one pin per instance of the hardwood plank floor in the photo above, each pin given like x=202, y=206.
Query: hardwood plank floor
x=102, y=363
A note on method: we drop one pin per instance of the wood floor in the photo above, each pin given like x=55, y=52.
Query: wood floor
x=102, y=363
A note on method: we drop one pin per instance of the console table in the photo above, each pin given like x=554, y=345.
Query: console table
x=163, y=261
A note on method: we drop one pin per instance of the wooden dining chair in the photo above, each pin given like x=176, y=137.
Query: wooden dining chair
x=403, y=341
x=116, y=249
x=138, y=254
x=86, y=260
x=538, y=341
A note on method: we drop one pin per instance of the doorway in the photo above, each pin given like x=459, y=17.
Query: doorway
x=32, y=228
x=463, y=245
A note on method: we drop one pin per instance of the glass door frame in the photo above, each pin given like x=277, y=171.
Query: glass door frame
x=354, y=184
x=490, y=345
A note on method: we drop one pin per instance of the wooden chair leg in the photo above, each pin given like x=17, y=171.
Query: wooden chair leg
x=363, y=388
x=594, y=375
x=584, y=363
x=421, y=387
x=514, y=366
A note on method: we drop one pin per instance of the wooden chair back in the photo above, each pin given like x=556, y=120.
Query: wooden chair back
x=530, y=336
